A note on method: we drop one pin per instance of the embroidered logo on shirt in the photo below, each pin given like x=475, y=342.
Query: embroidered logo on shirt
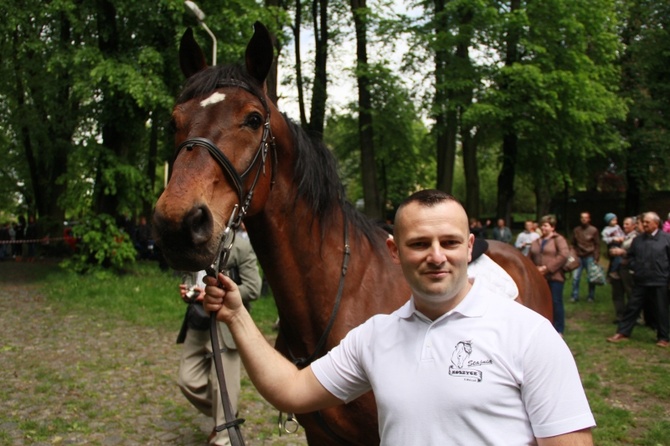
x=463, y=366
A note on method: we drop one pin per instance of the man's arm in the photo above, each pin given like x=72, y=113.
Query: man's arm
x=578, y=438
x=279, y=381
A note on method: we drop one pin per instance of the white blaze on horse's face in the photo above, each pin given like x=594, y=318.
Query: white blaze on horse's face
x=215, y=98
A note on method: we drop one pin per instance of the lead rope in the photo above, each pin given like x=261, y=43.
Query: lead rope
x=228, y=237
x=232, y=423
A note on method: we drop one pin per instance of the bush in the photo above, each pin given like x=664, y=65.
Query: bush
x=102, y=247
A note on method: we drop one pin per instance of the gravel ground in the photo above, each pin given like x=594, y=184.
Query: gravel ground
x=83, y=379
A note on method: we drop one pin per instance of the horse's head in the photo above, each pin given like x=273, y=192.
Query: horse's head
x=224, y=152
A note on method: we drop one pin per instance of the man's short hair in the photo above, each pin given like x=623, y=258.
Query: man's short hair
x=428, y=198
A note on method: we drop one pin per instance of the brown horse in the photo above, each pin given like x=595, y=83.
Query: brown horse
x=327, y=264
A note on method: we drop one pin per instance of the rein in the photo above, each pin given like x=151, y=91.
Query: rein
x=304, y=362
x=232, y=423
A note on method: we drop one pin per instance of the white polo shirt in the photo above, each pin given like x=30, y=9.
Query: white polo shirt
x=491, y=371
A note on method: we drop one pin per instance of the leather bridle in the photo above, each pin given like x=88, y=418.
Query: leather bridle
x=232, y=423
x=226, y=244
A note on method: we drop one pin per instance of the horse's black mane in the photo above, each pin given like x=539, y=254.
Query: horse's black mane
x=320, y=185
x=316, y=167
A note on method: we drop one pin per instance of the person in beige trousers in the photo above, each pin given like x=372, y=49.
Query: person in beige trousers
x=197, y=374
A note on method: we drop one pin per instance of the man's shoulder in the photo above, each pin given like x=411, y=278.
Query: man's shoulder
x=379, y=325
x=509, y=313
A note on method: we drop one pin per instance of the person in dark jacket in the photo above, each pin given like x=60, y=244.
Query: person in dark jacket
x=649, y=259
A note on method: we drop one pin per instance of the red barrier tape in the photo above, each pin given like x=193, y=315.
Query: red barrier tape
x=44, y=241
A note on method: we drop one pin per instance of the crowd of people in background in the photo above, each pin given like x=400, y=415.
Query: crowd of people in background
x=638, y=267
x=637, y=270
x=18, y=240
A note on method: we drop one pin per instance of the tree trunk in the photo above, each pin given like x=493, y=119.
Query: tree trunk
x=298, y=63
x=468, y=141
x=471, y=171
x=373, y=205
x=446, y=118
x=121, y=122
x=506, y=176
x=510, y=138
x=47, y=165
x=317, y=115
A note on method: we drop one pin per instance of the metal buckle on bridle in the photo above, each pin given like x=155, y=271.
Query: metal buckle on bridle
x=289, y=425
x=225, y=245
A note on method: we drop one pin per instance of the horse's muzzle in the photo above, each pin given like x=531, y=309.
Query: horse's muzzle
x=187, y=242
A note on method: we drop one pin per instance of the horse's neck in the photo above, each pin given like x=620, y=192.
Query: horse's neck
x=303, y=265
x=289, y=239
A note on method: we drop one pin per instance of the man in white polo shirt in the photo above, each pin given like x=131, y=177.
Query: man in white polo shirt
x=455, y=365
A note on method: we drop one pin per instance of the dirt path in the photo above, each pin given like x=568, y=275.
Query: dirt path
x=82, y=379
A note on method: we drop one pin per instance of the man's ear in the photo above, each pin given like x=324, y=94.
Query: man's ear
x=393, y=249
x=471, y=244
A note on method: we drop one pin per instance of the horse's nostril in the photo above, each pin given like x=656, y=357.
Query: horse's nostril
x=198, y=223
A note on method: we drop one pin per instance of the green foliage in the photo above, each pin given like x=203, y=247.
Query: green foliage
x=82, y=85
x=102, y=248
x=560, y=96
x=403, y=147
x=646, y=85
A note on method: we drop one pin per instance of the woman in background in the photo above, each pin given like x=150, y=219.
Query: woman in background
x=549, y=253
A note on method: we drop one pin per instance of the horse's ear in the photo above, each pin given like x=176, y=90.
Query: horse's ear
x=260, y=53
x=191, y=57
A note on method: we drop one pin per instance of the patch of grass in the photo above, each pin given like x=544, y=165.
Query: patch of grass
x=628, y=384
x=658, y=433
x=264, y=313
x=144, y=296
x=43, y=430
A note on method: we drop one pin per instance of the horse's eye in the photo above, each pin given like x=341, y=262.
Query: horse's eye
x=254, y=121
